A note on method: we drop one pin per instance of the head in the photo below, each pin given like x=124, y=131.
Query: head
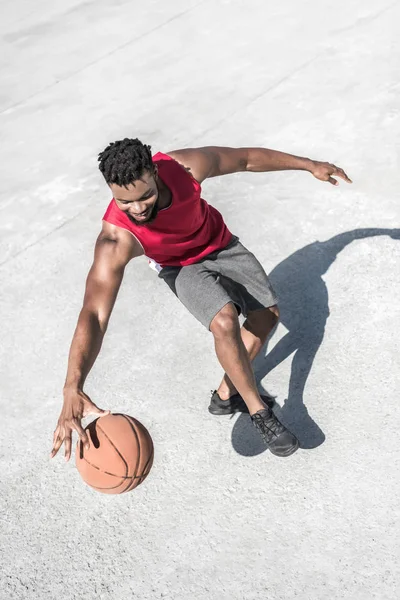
x=129, y=171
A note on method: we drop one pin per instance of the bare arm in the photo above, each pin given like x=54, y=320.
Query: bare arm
x=114, y=248
x=213, y=161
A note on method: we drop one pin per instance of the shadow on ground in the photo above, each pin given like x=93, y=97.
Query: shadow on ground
x=304, y=308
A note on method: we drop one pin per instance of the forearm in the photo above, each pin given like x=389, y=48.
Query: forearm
x=85, y=347
x=263, y=159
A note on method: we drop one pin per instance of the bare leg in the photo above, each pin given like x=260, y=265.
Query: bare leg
x=234, y=356
x=254, y=332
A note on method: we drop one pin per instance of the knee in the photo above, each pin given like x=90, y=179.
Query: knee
x=225, y=322
x=262, y=321
x=274, y=310
x=272, y=316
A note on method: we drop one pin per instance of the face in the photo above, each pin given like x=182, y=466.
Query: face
x=139, y=200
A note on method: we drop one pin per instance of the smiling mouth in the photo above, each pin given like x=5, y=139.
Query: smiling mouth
x=141, y=215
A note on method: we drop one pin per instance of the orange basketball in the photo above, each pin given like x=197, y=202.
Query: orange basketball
x=120, y=454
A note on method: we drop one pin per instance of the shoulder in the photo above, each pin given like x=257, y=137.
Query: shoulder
x=175, y=159
x=195, y=161
x=118, y=236
x=211, y=161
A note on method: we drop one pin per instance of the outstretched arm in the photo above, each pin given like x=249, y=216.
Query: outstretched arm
x=213, y=161
x=114, y=249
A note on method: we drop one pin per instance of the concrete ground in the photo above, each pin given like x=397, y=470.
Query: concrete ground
x=218, y=517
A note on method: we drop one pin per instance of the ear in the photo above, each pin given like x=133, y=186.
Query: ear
x=155, y=171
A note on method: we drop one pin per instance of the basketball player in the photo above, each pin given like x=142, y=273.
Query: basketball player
x=157, y=211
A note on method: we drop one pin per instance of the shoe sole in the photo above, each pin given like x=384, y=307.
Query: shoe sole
x=270, y=402
x=221, y=411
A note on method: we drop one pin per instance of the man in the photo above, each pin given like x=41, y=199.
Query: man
x=157, y=211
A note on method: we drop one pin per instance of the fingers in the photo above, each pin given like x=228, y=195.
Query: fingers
x=343, y=175
x=67, y=446
x=81, y=432
x=80, y=406
x=328, y=172
x=338, y=172
x=58, y=438
x=63, y=435
x=103, y=413
x=55, y=435
x=91, y=409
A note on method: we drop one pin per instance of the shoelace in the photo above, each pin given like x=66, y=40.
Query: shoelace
x=268, y=425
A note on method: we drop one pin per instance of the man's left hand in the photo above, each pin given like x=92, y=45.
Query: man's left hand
x=324, y=171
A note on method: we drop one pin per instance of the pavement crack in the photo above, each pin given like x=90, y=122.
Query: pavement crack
x=260, y=95
x=97, y=60
x=43, y=237
x=363, y=20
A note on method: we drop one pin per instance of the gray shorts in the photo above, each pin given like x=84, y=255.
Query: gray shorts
x=232, y=274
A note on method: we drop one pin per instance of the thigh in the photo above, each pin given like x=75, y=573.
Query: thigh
x=198, y=288
x=240, y=268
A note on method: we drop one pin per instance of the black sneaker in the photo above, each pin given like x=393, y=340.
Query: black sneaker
x=233, y=405
x=278, y=439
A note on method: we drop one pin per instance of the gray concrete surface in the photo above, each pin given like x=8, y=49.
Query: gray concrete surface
x=218, y=518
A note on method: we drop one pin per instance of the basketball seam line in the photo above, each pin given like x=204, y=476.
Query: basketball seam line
x=149, y=460
x=133, y=477
x=112, y=443
x=139, y=453
x=125, y=463
x=113, y=474
x=96, y=487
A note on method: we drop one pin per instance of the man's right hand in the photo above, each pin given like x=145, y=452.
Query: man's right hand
x=77, y=405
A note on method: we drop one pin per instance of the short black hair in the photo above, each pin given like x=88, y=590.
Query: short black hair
x=124, y=161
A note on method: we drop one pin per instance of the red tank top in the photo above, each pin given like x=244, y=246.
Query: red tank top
x=184, y=232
